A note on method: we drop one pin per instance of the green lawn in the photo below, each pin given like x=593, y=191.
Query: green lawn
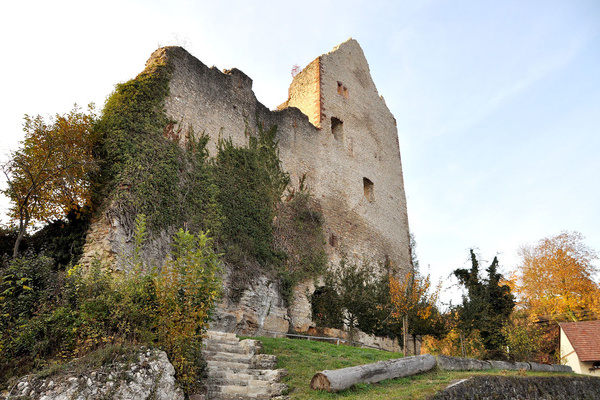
x=304, y=358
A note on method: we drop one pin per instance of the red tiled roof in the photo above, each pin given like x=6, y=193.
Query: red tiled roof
x=585, y=338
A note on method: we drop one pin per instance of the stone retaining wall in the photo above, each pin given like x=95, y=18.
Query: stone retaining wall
x=523, y=388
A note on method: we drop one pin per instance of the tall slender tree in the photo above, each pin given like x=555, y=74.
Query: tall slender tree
x=413, y=301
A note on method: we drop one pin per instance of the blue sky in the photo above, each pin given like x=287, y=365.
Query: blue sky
x=497, y=102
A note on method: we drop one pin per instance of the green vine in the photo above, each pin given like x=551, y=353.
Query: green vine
x=145, y=169
x=150, y=168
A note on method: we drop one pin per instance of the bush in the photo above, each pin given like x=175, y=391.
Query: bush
x=186, y=289
x=48, y=315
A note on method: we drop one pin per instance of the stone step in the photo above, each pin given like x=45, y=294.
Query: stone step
x=229, y=396
x=224, y=365
x=238, y=382
x=237, y=370
x=226, y=343
x=224, y=347
x=228, y=357
x=221, y=336
x=251, y=346
x=259, y=374
x=252, y=391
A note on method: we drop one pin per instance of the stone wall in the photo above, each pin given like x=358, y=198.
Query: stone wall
x=360, y=183
x=344, y=141
x=363, y=339
x=504, y=387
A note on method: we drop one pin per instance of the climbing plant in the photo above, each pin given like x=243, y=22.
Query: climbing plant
x=298, y=232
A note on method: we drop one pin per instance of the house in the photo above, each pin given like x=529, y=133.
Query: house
x=580, y=346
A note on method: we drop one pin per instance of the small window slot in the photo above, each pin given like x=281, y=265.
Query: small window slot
x=369, y=190
x=342, y=89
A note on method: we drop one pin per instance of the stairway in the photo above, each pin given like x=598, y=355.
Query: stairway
x=237, y=370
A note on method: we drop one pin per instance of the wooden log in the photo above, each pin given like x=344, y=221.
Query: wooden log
x=339, y=379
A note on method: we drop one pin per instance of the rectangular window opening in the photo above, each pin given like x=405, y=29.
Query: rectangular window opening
x=337, y=128
x=333, y=240
x=342, y=89
x=368, y=188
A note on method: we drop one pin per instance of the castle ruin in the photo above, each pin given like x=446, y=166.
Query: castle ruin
x=336, y=131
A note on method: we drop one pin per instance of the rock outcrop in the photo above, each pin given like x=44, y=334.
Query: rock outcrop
x=149, y=375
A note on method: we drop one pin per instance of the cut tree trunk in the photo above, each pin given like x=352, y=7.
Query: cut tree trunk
x=339, y=379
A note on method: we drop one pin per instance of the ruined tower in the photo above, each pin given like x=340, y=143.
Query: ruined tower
x=359, y=179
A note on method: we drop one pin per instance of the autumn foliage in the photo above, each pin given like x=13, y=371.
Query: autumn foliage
x=555, y=279
x=413, y=304
x=186, y=289
x=412, y=295
x=49, y=175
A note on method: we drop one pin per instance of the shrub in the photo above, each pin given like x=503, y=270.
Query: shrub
x=186, y=289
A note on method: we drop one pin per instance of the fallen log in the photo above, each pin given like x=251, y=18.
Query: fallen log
x=339, y=379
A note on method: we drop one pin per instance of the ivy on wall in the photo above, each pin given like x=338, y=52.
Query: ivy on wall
x=149, y=167
x=299, y=234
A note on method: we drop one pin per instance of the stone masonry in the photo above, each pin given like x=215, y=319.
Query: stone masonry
x=238, y=371
x=334, y=129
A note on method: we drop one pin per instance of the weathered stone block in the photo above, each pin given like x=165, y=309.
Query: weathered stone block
x=461, y=364
x=510, y=366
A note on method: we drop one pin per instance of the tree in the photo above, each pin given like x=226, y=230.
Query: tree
x=49, y=175
x=486, y=306
x=530, y=341
x=413, y=303
x=355, y=294
x=555, y=279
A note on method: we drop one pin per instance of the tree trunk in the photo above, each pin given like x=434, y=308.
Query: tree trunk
x=414, y=338
x=20, y=236
x=405, y=335
x=339, y=379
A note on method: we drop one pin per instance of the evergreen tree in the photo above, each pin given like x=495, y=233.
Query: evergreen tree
x=486, y=307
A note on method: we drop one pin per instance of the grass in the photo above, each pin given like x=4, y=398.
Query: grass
x=103, y=356
x=304, y=358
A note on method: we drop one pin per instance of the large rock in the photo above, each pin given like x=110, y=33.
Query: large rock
x=149, y=376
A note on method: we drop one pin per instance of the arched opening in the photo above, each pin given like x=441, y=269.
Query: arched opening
x=325, y=308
